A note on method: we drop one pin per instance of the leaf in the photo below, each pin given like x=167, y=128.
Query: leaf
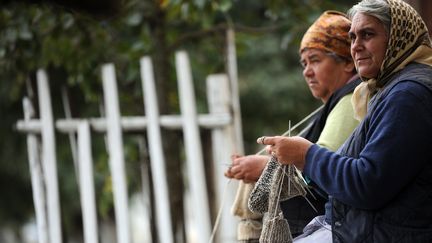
x=199, y=3
x=134, y=19
x=25, y=33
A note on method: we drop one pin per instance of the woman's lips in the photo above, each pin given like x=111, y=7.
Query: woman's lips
x=363, y=59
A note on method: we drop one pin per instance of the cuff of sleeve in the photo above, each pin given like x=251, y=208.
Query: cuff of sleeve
x=310, y=154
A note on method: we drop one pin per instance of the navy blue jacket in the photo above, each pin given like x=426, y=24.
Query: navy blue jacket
x=381, y=181
x=296, y=210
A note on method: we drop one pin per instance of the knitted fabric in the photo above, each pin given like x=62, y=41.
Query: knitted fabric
x=275, y=229
x=275, y=226
x=249, y=228
x=292, y=183
x=277, y=183
x=259, y=197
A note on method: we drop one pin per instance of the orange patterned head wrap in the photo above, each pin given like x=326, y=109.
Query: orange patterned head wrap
x=329, y=33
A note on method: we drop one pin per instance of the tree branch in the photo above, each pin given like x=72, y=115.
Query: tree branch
x=221, y=28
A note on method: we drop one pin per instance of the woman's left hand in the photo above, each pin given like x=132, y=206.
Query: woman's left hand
x=287, y=150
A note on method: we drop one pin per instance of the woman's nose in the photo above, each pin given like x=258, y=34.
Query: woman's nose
x=307, y=71
x=356, y=45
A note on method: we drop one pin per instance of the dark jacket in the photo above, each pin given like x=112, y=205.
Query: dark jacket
x=396, y=205
x=296, y=210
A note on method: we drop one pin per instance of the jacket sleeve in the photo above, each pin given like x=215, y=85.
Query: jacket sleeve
x=397, y=149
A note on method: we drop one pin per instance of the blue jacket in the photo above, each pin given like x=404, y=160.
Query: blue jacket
x=296, y=210
x=381, y=181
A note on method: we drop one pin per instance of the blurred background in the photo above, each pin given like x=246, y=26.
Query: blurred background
x=71, y=40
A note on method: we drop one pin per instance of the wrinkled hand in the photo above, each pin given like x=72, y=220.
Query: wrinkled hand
x=287, y=150
x=247, y=168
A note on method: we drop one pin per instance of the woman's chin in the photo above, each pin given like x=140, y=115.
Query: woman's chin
x=367, y=74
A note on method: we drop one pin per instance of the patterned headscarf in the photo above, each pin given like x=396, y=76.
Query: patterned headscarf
x=329, y=33
x=408, y=42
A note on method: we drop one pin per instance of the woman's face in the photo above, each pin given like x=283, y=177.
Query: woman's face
x=368, y=44
x=323, y=73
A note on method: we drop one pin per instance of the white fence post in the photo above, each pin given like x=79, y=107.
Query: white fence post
x=223, y=139
x=219, y=119
x=233, y=77
x=36, y=177
x=49, y=158
x=116, y=155
x=192, y=140
x=87, y=194
x=157, y=159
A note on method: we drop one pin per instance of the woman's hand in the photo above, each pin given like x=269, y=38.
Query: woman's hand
x=287, y=150
x=247, y=168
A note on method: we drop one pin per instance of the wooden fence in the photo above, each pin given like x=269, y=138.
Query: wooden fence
x=226, y=134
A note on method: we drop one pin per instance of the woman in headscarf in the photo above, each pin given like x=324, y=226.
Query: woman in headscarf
x=380, y=181
x=329, y=72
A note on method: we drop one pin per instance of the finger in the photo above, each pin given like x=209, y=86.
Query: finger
x=269, y=149
x=269, y=141
x=235, y=169
x=228, y=174
x=261, y=140
x=228, y=170
x=236, y=161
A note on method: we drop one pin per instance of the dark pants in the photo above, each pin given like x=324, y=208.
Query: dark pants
x=299, y=213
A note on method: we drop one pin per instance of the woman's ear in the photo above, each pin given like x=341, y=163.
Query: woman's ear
x=350, y=67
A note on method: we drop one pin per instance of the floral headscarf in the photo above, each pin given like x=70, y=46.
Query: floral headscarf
x=408, y=42
x=329, y=33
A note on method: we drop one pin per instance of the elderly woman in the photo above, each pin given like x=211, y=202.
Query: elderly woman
x=380, y=181
x=330, y=74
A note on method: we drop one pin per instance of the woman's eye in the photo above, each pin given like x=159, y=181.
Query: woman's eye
x=367, y=35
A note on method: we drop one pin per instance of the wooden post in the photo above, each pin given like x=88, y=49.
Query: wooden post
x=128, y=124
x=87, y=194
x=36, y=177
x=223, y=145
x=157, y=159
x=233, y=77
x=115, y=151
x=192, y=140
x=113, y=124
x=49, y=158
x=72, y=139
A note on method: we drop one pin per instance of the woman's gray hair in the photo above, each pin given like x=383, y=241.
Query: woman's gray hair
x=379, y=9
